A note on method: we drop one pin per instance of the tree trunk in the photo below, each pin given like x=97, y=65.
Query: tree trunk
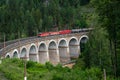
x=115, y=52
x=112, y=56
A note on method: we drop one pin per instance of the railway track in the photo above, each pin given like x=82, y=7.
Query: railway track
x=14, y=41
x=23, y=39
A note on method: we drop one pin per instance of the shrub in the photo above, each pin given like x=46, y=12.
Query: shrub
x=49, y=66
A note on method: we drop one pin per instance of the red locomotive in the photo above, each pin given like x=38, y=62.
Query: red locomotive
x=54, y=33
x=62, y=32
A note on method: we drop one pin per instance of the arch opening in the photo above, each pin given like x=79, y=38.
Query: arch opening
x=53, y=55
x=83, y=41
x=33, y=53
x=23, y=53
x=74, y=49
x=15, y=54
x=63, y=51
x=7, y=56
x=42, y=53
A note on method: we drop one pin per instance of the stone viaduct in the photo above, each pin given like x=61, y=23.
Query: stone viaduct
x=55, y=49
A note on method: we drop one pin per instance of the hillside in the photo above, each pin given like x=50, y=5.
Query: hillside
x=13, y=69
x=24, y=18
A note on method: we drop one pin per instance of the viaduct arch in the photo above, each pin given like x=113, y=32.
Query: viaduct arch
x=55, y=49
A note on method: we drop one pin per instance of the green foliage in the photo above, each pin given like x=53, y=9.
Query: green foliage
x=11, y=72
x=57, y=77
x=80, y=64
x=27, y=17
x=30, y=64
x=49, y=66
x=108, y=12
x=96, y=52
x=36, y=71
x=94, y=72
x=84, y=2
x=23, y=18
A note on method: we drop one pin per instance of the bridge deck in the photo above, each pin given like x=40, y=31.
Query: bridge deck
x=9, y=45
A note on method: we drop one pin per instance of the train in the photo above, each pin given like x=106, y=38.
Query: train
x=62, y=32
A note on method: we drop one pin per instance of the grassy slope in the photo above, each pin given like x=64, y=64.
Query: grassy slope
x=13, y=69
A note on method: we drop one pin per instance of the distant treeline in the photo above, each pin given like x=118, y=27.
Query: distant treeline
x=23, y=18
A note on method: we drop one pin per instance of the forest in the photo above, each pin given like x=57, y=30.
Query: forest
x=25, y=18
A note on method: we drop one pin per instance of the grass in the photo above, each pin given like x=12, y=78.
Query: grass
x=13, y=69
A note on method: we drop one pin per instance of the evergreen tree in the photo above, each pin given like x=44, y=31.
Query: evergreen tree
x=108, y=11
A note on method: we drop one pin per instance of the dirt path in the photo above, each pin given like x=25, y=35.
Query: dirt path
x=69, y=65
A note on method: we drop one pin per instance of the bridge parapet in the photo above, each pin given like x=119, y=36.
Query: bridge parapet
x=17, y=44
